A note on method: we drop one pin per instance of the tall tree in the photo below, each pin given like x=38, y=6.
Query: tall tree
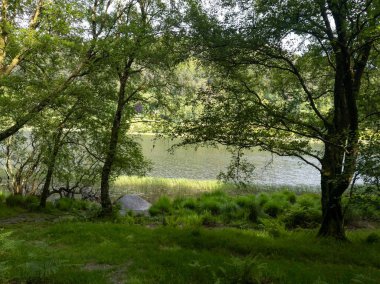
x=136, y=50
x=292, y=74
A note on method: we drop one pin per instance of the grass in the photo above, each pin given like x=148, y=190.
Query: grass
x=152, y=188
x=77, y=252
x=212, y=234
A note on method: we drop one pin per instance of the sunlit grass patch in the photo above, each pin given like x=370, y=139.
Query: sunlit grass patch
x=153, y=188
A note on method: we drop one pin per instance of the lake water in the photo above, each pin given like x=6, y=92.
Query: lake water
x=207, y=162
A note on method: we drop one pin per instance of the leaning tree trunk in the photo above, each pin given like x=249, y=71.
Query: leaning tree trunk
x=112, y=148
x=50, y=167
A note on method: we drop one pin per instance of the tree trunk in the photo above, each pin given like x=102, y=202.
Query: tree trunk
x=332, y=189
x=50, y=168
x=339, y=160
x=112, y=148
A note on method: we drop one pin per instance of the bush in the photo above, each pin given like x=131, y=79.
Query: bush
x=262, y=199
x=273, y=208
x=15, y=201
x=301, y=217
x=31, y=202
x=211, y=205
x=290, y=196
x=373, y=238
x=208, y=219
x=274, y=228
x=80, y=204
x=245, y=201
x=309, y=200
x=64, y=204
x=229, y=210
x=254, y=211
x=162, y=206
x=190, y=203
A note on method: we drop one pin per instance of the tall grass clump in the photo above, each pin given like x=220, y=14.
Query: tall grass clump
x=272, y=211
x=26, y=202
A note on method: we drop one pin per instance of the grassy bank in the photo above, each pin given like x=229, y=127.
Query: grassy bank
x=154, y=187
x=116, y=253
x=212, y=234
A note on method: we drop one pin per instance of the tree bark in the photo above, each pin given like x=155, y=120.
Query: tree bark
x=341, y=146
x=333, y=185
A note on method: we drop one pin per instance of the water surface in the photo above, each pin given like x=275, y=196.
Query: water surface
x=207, y=162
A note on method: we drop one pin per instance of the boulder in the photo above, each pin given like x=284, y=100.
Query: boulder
x=134, y=203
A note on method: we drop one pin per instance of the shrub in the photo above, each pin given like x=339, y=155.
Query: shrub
x=245, y=201
x=211, y=205
x=208, y=219
x=263, y=198
x=254, y=211
x=229, y=210
x=162, y=206
x=80, y=204
x=308, y=200
x=274, y=228
x=32, y=202
x=190, y=203
x=301, y=217
x=64, y=204
x=290, y=196
x=273, y=208
x=178, y=202
x=373, y=238
x=15, y=201
x=352, y=214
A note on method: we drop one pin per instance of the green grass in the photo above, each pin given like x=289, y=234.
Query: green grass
x=116, y=253
x=152, y=188
x=212, y=233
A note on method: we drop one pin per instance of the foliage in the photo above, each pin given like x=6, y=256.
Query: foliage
x=277, y=79
x=239, y=170
x=219, y=208
x=373, y=238
x=26, y=202
x=161, y=207
x=21, y=157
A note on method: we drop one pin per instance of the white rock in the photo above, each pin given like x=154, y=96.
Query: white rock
x=135, y=203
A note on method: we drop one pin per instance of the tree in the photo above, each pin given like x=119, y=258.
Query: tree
x=292, y=73
x=44, y=48
x=137, y=51
x=21, y=159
